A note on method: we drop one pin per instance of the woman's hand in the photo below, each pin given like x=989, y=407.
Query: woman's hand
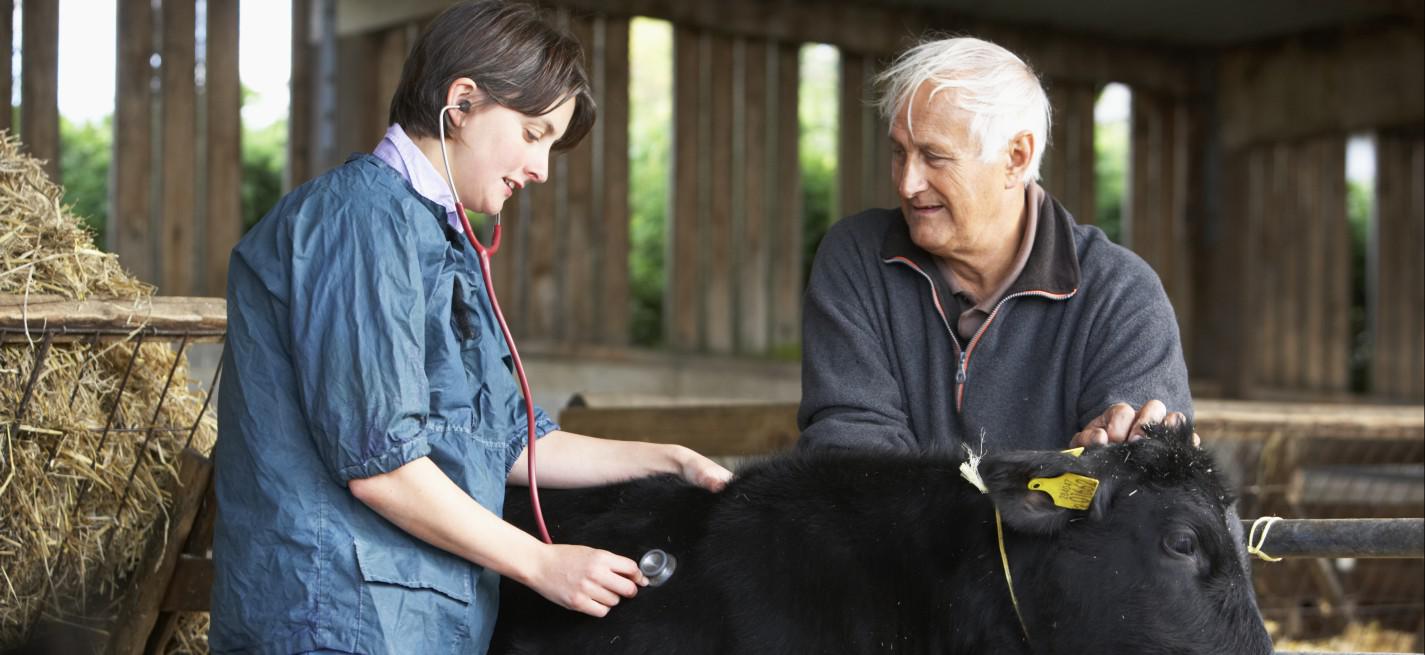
x=584, y=579
x=700, y=470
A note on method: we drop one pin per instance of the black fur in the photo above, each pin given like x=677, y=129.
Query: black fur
x=869, y=553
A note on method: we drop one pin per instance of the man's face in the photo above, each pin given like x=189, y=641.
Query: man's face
x=952, y=200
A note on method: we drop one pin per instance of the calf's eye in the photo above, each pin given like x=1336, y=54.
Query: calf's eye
x=1181, y=542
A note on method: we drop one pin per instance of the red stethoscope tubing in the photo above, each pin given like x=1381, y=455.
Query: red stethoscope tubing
x=483, y=254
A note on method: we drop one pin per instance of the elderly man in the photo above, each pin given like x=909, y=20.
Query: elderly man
x=979, y=312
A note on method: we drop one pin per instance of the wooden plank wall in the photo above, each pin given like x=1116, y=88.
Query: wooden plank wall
x=734, y=265
x=562, y=272
x=1155, y=207
x=863, y=166
x=131, y=176
x=163, y=231
x=1398, y=326
x=1067, y=170
x=1297, y=267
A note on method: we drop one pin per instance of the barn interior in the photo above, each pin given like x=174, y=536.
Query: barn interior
x=1302, y=314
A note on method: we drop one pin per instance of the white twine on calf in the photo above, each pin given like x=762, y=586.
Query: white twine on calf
x=1254, y=545
x=970, y=470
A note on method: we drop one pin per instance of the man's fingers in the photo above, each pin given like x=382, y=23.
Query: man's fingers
x=1174, y=419
x=1120, y=421
x=1153, y=411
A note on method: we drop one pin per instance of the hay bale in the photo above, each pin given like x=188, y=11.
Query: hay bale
x=62, y=557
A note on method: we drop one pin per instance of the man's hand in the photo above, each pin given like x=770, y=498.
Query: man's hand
x=1120, y=423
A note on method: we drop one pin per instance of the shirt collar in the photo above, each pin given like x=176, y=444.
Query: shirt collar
x=400, y=153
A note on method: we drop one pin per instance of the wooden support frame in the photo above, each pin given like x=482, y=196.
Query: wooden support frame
x=176, y=219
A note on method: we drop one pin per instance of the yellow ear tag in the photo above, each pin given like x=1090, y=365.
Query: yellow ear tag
x=1073, y=452
x=1070, y=490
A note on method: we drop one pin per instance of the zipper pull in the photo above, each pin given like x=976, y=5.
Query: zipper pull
x=960, y=373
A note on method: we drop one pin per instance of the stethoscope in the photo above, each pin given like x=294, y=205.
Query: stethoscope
x=655, y=565
x=483, y=254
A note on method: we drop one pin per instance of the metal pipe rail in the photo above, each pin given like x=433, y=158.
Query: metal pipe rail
x=1361, y=538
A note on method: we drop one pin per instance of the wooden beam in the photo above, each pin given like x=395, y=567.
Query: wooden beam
x=721, y=430
x=206, y=318
x=137, y=618
x=1068, y=164
x=1305, y=86
x=756, y=429
x=850, y=196
x=787, y=219
x=224, y=192
x=180, y=160
x=719, y=314
x=614, y=310
x=754, y=253
x=862, y=28
x=7, y=80
x=130, y=232
x=680, y=315
x=39, y=83
x=302, y=101
x=582, y=247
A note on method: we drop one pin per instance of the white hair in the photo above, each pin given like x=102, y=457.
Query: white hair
x=1001, y=92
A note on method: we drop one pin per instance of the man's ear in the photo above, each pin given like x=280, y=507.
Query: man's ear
x=1008, y=477
x=1020, y=152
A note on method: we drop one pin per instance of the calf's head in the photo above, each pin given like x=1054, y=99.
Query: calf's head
x=1153, y=565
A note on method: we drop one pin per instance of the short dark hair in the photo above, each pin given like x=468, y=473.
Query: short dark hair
x=520, y=61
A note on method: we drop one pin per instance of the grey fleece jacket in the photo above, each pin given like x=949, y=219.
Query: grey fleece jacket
x=1085, y=325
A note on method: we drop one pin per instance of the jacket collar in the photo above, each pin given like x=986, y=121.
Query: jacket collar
x=1052, y=268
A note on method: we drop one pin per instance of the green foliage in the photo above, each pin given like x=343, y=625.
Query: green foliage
x=84, y=169
x=264, y=153
x=1359, y=201
x=86, y=149
x=650, y=124
x=817, y=116
x=1110, y=141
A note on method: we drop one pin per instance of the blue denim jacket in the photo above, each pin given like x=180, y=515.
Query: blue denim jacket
x=359, y=339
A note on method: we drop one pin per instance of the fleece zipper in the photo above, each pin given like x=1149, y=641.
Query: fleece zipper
x=962, y=371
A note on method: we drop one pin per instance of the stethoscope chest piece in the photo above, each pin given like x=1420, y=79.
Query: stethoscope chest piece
x=657, y=566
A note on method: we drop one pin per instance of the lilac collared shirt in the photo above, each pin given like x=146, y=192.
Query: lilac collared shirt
x=400, y=152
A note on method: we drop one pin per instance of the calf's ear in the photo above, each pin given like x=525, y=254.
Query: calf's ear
x=1011, y=480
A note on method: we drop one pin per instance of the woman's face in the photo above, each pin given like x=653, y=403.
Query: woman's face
x=495, y=151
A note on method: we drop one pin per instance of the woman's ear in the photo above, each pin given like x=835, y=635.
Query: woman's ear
x=463, y=94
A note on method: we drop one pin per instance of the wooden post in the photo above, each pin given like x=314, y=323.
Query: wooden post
x=7, y=36
x=39, y=83
x=850, y=196
x=580, y=234
x=680, y=315
x=224, y=193
x=787, y=217
x=130, y=176
x=300, y=103
x=136, y=620
x=717, y=242
x=614, y=277
x=177, y=220
x=753, y=253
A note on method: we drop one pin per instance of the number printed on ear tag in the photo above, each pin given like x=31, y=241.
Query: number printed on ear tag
x=1070, y=490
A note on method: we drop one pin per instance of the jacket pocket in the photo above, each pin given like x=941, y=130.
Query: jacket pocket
x=416, y=569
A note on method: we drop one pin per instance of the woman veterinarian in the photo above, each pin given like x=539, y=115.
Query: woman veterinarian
x=368, y=417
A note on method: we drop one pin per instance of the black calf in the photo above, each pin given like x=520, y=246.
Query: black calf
x=882, y=554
